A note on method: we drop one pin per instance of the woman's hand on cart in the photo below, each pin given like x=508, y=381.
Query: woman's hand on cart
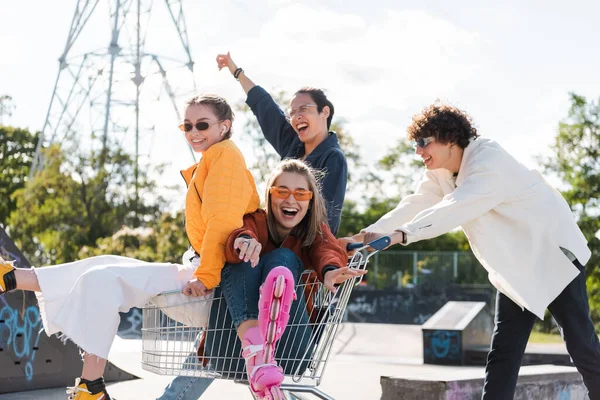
x=195, y=288
x=340, y=275
x=249, y=249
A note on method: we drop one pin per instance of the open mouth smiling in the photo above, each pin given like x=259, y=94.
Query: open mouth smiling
x=289, y=212
x=301, y=127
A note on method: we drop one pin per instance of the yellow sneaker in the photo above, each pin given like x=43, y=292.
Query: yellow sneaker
x=81, y=391
x=7, y=276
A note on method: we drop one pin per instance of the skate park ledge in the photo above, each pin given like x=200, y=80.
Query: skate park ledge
x=546, y=382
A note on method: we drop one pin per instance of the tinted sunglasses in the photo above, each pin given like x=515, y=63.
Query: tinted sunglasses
x=284, y=193
x=422, y=142
x=201, y=126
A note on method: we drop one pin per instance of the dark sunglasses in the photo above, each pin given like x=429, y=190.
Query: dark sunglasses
x=422, y=142
x=201, y=126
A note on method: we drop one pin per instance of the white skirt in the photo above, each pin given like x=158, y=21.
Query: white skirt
x=82, y=299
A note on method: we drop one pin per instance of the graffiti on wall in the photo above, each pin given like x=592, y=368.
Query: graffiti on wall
x=20, y=336
x=19, y=332
x=409, y=305
x=441, y=345
x=131, y=323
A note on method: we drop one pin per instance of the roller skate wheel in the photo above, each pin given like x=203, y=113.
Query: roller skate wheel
x=268, y=352
x=271, y=331
x=275, y=308
x=279, y=286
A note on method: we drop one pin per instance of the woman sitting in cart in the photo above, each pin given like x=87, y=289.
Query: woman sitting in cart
x=82, y=299
x=264, y=261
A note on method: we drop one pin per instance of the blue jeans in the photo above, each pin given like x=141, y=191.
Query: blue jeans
x=513, y=325
x=239, y=291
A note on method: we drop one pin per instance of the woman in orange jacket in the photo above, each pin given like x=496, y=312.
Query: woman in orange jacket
x=82, y=299
x=265, y=258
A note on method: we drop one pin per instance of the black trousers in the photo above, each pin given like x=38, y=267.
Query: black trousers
x=513, y=326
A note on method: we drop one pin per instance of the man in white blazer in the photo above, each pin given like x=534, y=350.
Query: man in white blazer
x=520, y=229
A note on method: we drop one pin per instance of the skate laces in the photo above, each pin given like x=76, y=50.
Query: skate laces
x=73, y=390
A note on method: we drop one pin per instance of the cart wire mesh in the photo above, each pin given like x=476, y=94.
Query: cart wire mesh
x=186, y=336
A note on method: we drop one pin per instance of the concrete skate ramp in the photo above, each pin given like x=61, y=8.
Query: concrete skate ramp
x=29, y=359
x=544, y=382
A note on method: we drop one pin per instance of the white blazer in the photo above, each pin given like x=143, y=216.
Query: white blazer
x=515, y=221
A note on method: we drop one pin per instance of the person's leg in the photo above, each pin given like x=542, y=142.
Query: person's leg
x=27, y=279
x=264, y=294
x=240, y=284
x=12, y=278
x=571, y=311
x=512, y=327
x=93, y=367
x=185, y=388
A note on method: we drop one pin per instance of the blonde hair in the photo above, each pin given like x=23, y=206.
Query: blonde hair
x=310, y=226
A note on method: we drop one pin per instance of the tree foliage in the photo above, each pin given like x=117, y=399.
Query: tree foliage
x=576, y=160
x=162, y=240
x=17, y=147
x=73, y=203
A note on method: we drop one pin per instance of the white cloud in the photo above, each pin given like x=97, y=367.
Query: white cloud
x=378, y=73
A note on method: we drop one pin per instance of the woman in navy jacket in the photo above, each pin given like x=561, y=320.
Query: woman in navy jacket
x=303, y=134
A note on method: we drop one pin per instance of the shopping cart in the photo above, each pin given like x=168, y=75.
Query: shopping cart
x=172, y=345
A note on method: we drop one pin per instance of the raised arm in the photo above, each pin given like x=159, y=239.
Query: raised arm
x=272, y=120
x=225, y=61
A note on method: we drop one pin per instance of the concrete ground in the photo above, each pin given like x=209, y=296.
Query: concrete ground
x=361, y=355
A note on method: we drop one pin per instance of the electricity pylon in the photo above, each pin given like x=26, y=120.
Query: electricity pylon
x=104, y=91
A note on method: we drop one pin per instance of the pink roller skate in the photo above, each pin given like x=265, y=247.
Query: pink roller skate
x=276, y=297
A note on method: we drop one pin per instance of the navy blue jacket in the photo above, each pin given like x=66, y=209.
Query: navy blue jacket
x=327, y=157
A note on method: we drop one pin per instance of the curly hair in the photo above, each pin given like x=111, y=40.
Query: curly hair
x=446, y=123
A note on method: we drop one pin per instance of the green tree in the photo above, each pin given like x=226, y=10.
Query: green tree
x=402, y=168
x=73, y=203
x=17, y=148
x=576, y=161
x=163, y=240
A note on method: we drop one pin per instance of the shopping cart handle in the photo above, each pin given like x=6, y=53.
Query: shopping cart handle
x=377, y=244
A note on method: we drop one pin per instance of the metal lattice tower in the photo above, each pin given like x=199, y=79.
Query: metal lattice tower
x=100, y=94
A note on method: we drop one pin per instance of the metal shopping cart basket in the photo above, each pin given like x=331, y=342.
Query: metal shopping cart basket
x=173, y=343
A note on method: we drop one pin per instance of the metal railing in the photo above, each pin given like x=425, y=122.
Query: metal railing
x=400, y=269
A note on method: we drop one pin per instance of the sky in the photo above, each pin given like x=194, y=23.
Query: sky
x=510, y=64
